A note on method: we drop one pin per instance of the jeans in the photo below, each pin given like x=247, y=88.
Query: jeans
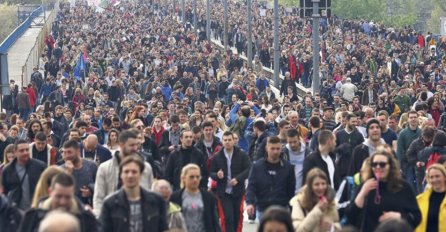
x=410, y=177
x=24, y=114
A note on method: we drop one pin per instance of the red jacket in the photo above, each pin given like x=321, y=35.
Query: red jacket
x=32, y=96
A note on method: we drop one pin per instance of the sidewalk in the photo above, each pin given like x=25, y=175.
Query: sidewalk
x=19, y=52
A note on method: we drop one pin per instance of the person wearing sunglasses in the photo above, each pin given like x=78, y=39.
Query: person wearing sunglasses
x=198, y=206
x=384, y=195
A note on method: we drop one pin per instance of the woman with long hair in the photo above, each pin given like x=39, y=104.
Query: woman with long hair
x=44, y=183
x=314, y=206
x=112, y=141
x=432, y=201
x=385, y=195
x=196, y=119
x=139, y=112
x=8, y=156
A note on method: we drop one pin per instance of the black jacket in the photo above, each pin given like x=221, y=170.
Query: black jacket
x=180, y=158
x=11, y=179
x=116, y=209
x=102, y=154
x=314, y=160
x=216, y=147
x=10, y=216
x=360, y=153
x=240, y=165
x=414, y=149
x=257, y=147
x=211, y=220
x=34, y=216
x=403, y=201
x=101, y=135
x=265, y=190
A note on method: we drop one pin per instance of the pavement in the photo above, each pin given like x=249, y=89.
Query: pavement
x=20, y=50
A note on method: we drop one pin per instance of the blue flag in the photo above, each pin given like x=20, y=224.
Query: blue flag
x=80, y=66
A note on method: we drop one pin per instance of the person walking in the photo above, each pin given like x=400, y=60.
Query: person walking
x=133, y=208
x=230, y=168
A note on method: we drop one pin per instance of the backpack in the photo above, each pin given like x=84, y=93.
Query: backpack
x=346, y=193
x=238, y=126
x=433, y=159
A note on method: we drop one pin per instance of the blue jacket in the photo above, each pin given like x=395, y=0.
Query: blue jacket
x=167, y=92
x=243, y=140
x=46, y=89
x=261, y=84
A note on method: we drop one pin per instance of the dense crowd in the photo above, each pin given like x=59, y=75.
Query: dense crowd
x=136, y=122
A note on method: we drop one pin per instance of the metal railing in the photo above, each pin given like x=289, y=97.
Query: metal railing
x=18, y=32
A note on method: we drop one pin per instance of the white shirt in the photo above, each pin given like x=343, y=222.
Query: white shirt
x=331, y=168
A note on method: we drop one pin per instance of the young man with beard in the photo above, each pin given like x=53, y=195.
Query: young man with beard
x=209, y=145
x=323, y=158
x=387, y=134
x=182, y=156
x=82, y=170
x=133, y=208
x=21, y=175
x=107, y=177
x=271, y=180
x=295, y=152
x=368, y=147
x=42, y=151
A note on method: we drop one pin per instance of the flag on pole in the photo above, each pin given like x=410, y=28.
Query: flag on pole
x=80, y=66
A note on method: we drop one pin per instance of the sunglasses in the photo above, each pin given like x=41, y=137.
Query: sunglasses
x=379, y=164
x=194, y=177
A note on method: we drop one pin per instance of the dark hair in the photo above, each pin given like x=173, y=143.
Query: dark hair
x=71, y=144
x=18, y=142
x=132, y=159
x=228, y=133
x=350, y=115
x=81, y=124
x=442, y=159
x=31, y=134
x=277, y=214
x=324, y=137
x=411, y=112
x=260, y=125
x=184, y=131
x=124, y=136
x=393, y=225
x=292, y=133
x=74, y=130
x=273, y=140
x=428, y=133
x=246, y=111
x=174, y=119
x=107, y=122
x=207, y=124
x=64, y=179
x=439, y=139
x=40, y=136
x=283, y=123
x=196, y=129
x=211, y=114
x=315, y=122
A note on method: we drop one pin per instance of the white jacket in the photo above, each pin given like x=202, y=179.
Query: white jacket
x=107, y=181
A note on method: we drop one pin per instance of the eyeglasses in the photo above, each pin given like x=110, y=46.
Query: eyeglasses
x=379, y=164
x=194, y=177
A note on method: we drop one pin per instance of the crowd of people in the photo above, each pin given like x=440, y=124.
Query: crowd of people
x=136, y=122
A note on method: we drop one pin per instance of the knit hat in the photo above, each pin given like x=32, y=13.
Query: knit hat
x=370, y=122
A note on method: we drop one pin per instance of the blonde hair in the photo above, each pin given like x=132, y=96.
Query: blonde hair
x=438, y=167
x=185, y=170
x=8, y=149
x=44, y=183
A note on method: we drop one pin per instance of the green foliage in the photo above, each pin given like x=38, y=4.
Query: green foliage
x=8, y=17
x=376, y=10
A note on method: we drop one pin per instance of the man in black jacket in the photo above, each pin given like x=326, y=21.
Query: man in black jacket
x=184, y=155
x=209, y=145
x=10, y=216
x=230, y=168
x=323, y=158
x=20, y=177
x=147, y=209
x=271, y=180
x=102, y=133
x=61, y=197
